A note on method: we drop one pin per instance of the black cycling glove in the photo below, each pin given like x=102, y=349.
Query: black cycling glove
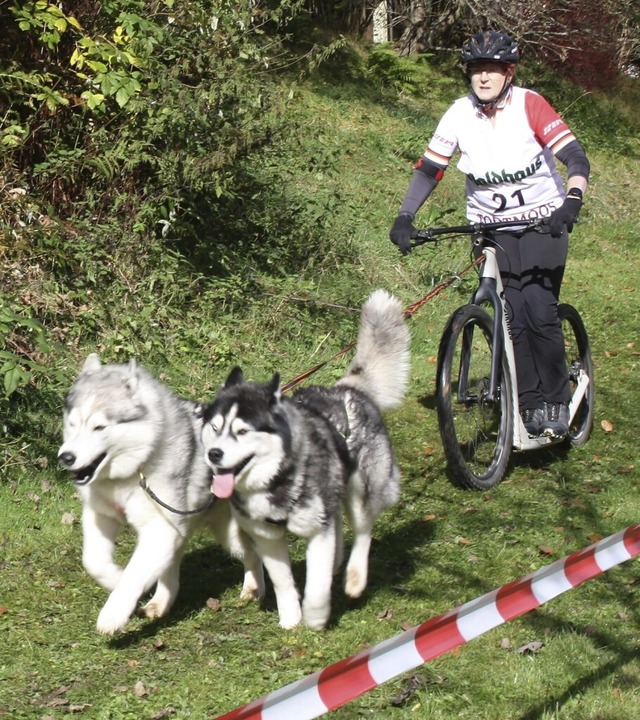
x=566, y=214
x=402, y=232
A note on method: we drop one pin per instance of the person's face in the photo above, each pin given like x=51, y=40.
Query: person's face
x=488, y=78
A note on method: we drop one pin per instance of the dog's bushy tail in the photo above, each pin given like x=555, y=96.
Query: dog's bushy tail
x=380, y=367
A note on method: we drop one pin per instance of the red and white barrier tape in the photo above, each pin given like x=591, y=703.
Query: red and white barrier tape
x=346, y=680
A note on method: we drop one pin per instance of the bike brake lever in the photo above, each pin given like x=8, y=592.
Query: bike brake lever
x=422, y=237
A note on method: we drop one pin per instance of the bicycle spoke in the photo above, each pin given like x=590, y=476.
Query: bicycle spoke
x=475, y=428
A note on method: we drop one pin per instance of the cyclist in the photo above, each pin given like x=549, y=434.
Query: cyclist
x=507, y=138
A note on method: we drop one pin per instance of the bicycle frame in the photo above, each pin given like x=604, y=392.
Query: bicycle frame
x=490, y=291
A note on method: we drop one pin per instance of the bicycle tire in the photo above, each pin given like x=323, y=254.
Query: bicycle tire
x=476, y=433
x=578, y=359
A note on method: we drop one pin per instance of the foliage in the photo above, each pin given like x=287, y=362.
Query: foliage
x=24, y=342
x=164, y=98
x=591, y=41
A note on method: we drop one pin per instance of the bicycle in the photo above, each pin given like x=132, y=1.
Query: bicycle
x=476, y=386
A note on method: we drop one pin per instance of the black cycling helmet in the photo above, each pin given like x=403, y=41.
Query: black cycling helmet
x=491, y=45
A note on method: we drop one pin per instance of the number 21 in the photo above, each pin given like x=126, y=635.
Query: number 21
x=502, y=200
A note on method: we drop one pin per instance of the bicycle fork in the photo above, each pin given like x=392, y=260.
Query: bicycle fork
x=486, y=293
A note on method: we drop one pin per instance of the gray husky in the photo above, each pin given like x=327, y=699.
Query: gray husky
x=293, y=463
x=133, y=449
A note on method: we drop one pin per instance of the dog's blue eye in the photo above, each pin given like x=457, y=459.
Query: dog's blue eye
x=99, y=428
x=241, y=431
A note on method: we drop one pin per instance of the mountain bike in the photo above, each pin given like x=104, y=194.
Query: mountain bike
x=476, y=385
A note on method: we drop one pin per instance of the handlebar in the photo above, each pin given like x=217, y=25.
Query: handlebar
x=431, y=234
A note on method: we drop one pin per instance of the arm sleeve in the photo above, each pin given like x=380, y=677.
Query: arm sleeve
x=431, y=166
x=549, y=128
x=424, y=179
x=575, y=158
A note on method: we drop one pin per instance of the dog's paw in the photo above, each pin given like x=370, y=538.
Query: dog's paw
x=290, y=623
x=316, y=618
x=253, y=587
x=108, y=624
x=355, y=583
x=113, y=616
x=290, y=618
x=251, y=593
x=153, y=610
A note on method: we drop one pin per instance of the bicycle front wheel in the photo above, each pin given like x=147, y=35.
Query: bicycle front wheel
x=580, y=365
x=476, y=430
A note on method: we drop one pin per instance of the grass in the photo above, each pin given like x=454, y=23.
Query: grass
x=440, y=547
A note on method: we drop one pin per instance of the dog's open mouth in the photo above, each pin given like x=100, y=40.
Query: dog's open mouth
x=224, y=480
x=84, y=475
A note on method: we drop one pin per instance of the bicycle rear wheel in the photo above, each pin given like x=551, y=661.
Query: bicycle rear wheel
x=476, y=431
x=579, y=363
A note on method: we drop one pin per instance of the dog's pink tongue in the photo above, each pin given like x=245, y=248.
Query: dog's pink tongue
x=223, y=485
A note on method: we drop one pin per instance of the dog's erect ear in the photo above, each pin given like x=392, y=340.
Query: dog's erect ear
x=235, y=377
x=273, y=389
x=92, y=363
x=132, y=380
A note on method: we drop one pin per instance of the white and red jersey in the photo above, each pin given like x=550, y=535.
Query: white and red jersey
x=509, y=163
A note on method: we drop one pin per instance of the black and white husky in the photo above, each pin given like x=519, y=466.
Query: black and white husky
x=292, y=464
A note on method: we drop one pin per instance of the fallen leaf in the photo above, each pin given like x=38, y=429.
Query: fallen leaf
x=386, y=614
x=139, y=690
x=546, y=550
x=413, y=685
x=166, y=712
x=213, y=604
x=505, y=644
x=607, y=426
x=594, y=537
x=58, y=702
x=3, y=610
x=626, y=469
x=463, y=541
x=530, y=648
x=428, y=518
x=68, y=518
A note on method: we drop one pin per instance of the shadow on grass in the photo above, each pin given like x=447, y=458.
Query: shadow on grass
x=537, y=459
x=207, y=571
x=624, y=654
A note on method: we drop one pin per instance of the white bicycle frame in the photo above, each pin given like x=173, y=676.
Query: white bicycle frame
x=521, y=439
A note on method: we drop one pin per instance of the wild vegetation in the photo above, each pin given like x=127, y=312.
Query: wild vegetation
x=202, y=185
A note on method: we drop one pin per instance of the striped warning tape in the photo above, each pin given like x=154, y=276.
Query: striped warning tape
x=346, y=680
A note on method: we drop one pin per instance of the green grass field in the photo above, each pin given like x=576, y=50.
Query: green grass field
x=440, y=547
